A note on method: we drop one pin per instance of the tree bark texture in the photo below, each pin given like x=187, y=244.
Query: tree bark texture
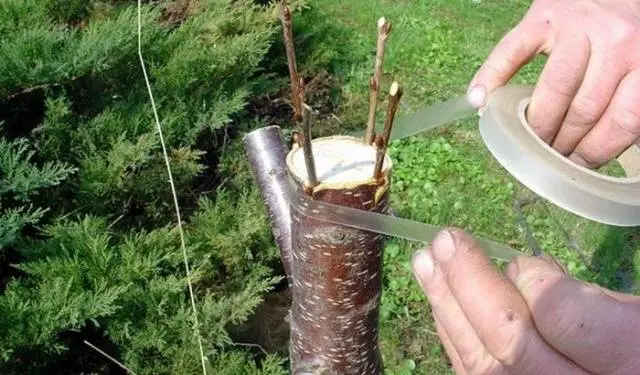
x=266, y=150
x=337, y=279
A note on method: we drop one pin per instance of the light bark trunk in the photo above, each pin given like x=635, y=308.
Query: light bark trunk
x=267, y=153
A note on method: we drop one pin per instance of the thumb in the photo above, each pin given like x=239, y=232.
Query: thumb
x=592, y=327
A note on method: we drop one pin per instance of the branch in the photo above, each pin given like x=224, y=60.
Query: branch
x=384, y=29
x=395, y=93
x=250, y=345
x=41, y=86
x=296, y=82
x=306, y=146
x=267, y=155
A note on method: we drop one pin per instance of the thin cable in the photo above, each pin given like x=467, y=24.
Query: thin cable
x=524, y=225
x=109, y=357
x=173, y=190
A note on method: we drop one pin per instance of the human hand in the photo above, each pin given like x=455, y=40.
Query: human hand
x=534, y=320
x=585, y=104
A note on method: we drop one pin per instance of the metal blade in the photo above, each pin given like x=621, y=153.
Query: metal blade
x=418, y=122
x=389, y=225
x=428, y=118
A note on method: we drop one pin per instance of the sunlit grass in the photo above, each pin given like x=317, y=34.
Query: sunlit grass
x=446, y=176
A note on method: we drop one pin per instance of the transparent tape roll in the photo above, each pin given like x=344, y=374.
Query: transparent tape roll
x=582, y=191
x=512, y=142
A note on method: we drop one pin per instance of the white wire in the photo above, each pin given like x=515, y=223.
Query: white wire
x=109, y=357
x=173, y=190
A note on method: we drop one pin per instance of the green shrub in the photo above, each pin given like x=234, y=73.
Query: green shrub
x=21, y=180
x=87, y=216
x=133, y=286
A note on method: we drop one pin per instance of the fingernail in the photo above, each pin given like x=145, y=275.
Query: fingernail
x=477, y=96
x=422, y=266
x=443, y=246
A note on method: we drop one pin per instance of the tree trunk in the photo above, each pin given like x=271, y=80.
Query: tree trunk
x=336, y=270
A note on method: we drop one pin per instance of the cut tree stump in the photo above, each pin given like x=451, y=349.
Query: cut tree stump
x=336, y=270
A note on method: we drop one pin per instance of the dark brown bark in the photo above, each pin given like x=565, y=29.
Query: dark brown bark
x=337, y=284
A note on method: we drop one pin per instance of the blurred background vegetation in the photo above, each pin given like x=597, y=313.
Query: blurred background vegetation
x=89, y=249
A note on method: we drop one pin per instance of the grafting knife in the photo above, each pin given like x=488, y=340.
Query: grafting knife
x=387, y=224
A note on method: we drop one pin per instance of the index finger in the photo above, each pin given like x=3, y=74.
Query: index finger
x=516, y=48
x=494, y=307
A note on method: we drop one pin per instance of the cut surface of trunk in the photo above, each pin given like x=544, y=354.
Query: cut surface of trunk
x=336, y=270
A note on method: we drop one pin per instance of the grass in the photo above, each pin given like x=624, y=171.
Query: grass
x=447, y=177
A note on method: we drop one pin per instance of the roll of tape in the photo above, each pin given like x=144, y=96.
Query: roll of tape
x=582, y=191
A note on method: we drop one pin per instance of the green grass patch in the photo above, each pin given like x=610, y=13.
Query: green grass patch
x=447, y=176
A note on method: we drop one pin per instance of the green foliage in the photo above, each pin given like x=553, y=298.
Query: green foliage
x=202, y=74
x=89, y=180
x=133, y=286
x=20, y=177
x=238, y=363
x=21, y=180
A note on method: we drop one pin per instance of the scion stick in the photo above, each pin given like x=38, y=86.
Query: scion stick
x=384, y=28
x=395, y=93
x=296, y=81
x=307, y=114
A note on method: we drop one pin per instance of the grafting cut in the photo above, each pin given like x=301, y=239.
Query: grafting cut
x=337, y=271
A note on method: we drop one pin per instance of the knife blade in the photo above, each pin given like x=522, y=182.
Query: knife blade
x=387, y=225
x=427, y=118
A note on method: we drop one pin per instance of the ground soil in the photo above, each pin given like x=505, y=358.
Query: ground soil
x=269, y=326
